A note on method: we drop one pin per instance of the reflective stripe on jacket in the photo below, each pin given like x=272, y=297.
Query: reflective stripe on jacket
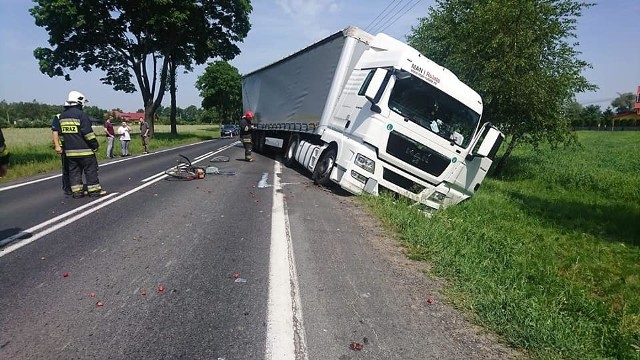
x=74, y=127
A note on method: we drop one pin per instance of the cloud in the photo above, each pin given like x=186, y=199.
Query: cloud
x=311, y=16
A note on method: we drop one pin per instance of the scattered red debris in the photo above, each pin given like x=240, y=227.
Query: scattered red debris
x=92, y=294
x=143, y=292
x=430, y=300
x=65, y=274
x=160, y=288
x=135, y=238
x=356, y=346
x=99, y=304
x=236, y=275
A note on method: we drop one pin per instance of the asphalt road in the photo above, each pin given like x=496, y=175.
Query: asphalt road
x=260, y=264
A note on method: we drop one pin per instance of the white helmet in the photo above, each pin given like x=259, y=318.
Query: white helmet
x=75, y=98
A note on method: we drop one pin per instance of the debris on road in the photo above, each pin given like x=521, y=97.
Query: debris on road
x=65, y=274
x=240, y=280
x=92, y=294
x=356, y=346
x=160, y=288
x=99, y=304
x=430, y=300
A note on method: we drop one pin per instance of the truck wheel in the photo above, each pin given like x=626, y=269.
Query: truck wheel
x=323, y=168
x=260, y=142
x=290, y=154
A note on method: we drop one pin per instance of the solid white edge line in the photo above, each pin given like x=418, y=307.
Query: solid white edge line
x=52, y=220
x=17, y=245
x=107, y=164
x=282, y=334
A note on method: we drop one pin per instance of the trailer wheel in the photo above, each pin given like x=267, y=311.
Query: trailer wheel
x=290, y=154
x=260, y=142
x=322, y=171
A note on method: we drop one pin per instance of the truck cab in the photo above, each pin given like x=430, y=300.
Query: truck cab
x=415, y=125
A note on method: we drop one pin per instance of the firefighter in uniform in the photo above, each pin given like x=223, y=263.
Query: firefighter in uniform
x=59, y=146
x=80, y=145
x=246, y=128
x=4, y=156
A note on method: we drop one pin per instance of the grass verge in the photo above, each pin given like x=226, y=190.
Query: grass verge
x=548, y=256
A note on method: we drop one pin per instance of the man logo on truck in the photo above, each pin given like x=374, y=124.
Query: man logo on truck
x=418, y=156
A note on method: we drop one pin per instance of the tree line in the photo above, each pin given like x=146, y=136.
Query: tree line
x=592, y=116
x=35, y=114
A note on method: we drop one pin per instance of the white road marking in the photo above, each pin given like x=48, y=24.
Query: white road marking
x=58, y=225
x=197, y=160
x=56, y=219
x=107, y=164
x=285, y=330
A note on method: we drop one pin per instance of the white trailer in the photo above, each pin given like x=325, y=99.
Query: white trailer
x=370, y=112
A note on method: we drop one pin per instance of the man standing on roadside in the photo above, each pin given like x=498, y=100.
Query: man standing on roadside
x=111, y=135
x=144, y=133
x=246, y=128
x=4, y=156
x=80, y=145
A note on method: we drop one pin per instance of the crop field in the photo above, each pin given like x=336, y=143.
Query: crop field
x=548, y=255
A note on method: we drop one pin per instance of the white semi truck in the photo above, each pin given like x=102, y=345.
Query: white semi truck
x=370, y=112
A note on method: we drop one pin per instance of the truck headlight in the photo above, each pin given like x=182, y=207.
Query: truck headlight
x=365, y=163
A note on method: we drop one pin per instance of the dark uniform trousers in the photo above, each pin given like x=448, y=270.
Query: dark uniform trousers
x=88, y=165
x=246, y=141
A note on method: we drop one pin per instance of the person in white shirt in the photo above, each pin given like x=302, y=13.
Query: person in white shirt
x=125, y=137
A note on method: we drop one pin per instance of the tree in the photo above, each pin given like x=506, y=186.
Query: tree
x=136, y=39
x=591, y=115
x=624, y=102
x=573, y=111
x=221, y=89
x=607, y=115
x=516, y=55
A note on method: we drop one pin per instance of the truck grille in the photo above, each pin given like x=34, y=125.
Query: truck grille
x=416, y=154
x=402, y=181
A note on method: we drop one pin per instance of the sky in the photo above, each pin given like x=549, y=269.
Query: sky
x=607, y=35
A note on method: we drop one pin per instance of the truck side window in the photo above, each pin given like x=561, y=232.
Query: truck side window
x=366, y=82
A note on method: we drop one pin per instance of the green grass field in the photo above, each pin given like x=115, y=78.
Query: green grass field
x=32, y=149
x=548, y=256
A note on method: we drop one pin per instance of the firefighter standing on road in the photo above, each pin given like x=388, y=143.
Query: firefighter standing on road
x=80, y=145
x=59, y=146
x=246, y=128
x=4, y=156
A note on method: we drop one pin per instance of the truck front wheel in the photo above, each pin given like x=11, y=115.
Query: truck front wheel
x=290, y=154
x=322, y=171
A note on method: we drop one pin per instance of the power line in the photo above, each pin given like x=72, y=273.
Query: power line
x=397, y=2
x=382, y=12
x=403, y=14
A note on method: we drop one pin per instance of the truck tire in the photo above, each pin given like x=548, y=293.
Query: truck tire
x=260, y=142
x=322, y=171
x=290, y=153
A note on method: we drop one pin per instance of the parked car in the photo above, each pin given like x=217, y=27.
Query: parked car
x=229, y=130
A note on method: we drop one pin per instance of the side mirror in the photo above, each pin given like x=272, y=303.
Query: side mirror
x=375, y=88
x=491, y=142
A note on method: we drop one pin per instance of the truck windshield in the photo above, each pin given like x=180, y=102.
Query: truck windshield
x=434, y=110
